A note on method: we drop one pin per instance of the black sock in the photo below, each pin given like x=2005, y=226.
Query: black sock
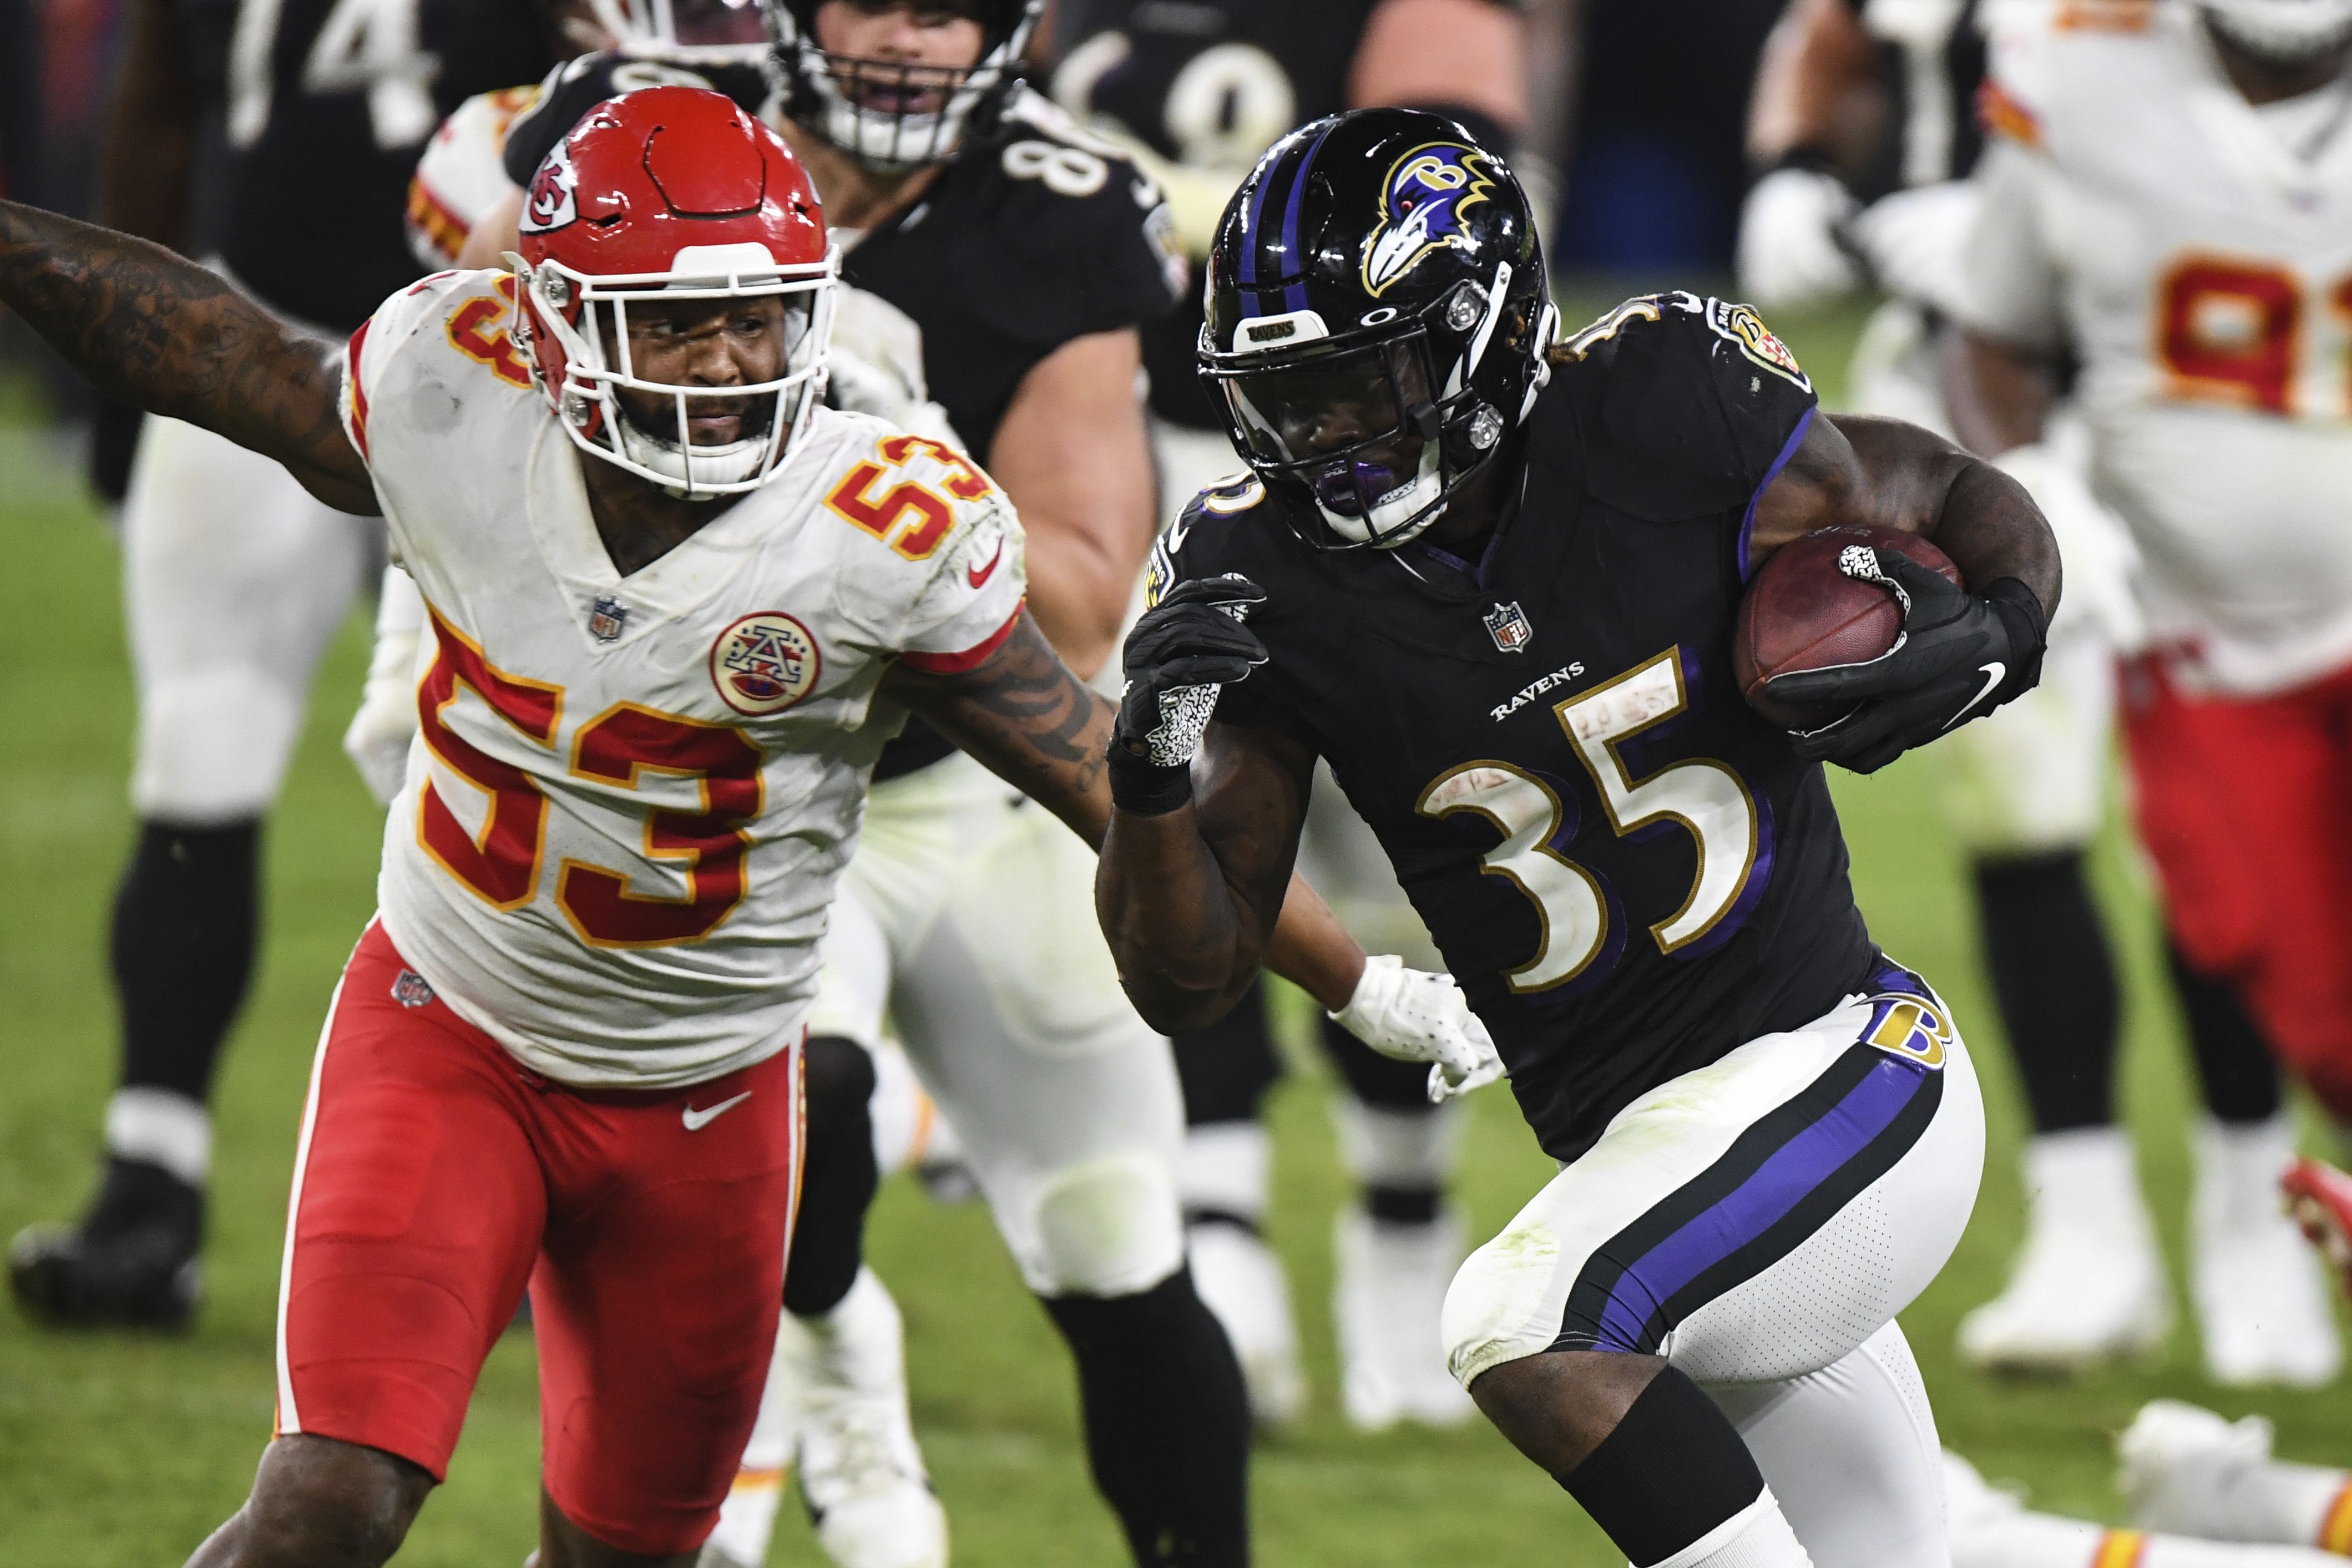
x=837, y=1176
x=1675, y=1468
x=1167, y=1421
x=2055, y=979
x=1381, y=1082
x=1226, y=1068
x=1402, y=1205
x=185, y=923
x=2234, y=1065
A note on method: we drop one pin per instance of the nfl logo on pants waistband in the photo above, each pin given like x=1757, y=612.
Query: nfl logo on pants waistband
x=605, y=619
x=1509, y=626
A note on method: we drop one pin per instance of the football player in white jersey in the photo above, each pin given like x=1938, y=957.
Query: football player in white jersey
x=676, y=607
x=1062, y=1097
x=1853, y=188
x=2168, y=203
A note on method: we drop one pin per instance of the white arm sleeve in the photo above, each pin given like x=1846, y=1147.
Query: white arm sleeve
x=2012, y=286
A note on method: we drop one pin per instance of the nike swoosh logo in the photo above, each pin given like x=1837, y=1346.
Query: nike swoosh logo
x=980, y=574
x=696, y=1121
x=1993, y=674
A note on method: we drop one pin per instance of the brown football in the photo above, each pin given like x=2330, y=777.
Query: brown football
x=1804, y=613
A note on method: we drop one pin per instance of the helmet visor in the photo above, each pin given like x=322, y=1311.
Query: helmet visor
x=1353, y=425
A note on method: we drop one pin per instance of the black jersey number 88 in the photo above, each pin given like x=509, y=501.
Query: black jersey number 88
x=1705, y=796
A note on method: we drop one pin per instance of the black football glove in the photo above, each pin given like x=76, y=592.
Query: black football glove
x=1961, y=655
x=1181, y=653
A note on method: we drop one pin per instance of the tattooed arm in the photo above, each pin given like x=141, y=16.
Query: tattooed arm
x=152, y=330
x=1031, y=721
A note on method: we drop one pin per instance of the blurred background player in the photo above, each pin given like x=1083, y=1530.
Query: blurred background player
x=1865, y=119
x=1001, y=262
x=233, y=577
x=2165, y=205
x=1197, y=92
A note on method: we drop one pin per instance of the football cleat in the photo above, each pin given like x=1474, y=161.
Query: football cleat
x=129, y=1261
x=1242, y=1281
x=2261, y=1299
x=861, y=1473
x=1387, y=1295
x=2088, y=1286
x=2320, y=1198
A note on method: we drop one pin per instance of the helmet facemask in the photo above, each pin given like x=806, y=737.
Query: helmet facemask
x=589, y=319
x=893, y=116
x=1379, y=427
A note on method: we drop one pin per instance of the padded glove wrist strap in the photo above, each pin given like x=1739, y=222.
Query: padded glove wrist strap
x=1141, y=788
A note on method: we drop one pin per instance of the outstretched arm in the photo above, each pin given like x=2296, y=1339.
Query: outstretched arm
x=1034, y=724
x=152, y=330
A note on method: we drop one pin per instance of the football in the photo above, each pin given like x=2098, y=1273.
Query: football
x=1803, y=612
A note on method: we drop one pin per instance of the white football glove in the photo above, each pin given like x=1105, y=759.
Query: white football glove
x=1788, y=250
x=1414, y=1016
x=1914, y=241
x=377, y=738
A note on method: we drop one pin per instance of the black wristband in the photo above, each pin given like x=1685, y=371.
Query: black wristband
x=1141, y=788
x=2028, y=623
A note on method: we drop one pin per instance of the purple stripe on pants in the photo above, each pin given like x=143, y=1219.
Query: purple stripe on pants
x=1753, y=1207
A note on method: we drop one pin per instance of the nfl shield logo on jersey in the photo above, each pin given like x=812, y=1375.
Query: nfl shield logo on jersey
x=1509, y=626
x=605, y=619
x=411, y=990
x=764, y=663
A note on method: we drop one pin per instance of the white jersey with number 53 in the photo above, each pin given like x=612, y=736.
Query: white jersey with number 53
x=2195, y=253
x=630, y=797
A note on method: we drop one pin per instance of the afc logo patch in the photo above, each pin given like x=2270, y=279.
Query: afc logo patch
x=553, y=201
x=764, y=663
x=1909, y=1026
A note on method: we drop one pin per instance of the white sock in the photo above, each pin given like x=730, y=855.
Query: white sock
x=161, y=1127
x=1755, y=1537
x=1225, y=1169
x=2290, y=1504
x=1385, y=1148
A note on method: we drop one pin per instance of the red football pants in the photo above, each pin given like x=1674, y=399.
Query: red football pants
x=2245, y=804
x=436, y=1174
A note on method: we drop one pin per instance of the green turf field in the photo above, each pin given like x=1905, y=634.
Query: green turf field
x=120, y=1452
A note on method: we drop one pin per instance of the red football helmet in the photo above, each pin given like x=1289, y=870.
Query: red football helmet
x=666, y=194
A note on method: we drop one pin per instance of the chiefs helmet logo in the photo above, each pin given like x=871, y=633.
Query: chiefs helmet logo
x=764, y=663
x=1422, y=202
x=552, y=203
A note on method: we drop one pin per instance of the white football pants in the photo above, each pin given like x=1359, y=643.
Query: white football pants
x=967, y=914
x=235, y=578
x=1758, y=1223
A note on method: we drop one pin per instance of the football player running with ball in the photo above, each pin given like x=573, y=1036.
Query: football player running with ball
x=567, y=1051
x=1495, y=587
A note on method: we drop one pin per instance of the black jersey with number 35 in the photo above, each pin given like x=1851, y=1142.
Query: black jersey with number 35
x=325, y=107
x=1627, y=871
